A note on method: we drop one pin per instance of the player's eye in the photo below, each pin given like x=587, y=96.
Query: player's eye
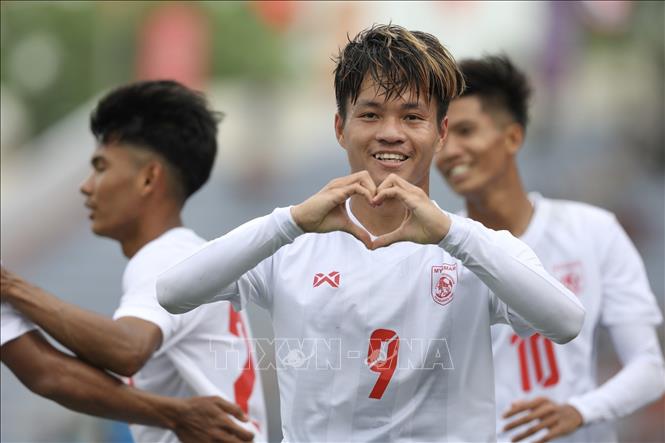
x=465, y=131
x=413, y=117
x=369, y=116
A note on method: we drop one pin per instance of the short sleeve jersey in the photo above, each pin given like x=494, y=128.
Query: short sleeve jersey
x=12, y=323
x=375, y=346
x=204, y=352
x=588, y=251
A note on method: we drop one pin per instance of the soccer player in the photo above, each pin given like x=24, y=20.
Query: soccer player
x=156, y=147
x=541, y=388
x=389, y=297
x=83, y=388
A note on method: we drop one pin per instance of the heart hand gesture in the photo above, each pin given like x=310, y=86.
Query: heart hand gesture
x=325, y=211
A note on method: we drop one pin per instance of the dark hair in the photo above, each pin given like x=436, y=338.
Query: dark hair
x=397, y=60
x=167, y=118
x=499, y=85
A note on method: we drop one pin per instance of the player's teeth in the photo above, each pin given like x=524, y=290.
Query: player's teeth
x=387, y=156
x=459, y=169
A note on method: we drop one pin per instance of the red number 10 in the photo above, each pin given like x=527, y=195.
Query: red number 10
x=546, y=371
x=386, y=363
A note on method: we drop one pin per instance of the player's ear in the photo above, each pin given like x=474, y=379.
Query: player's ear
x=514, y=134
x=339, y=130
x=151, y=174
x=443, y=133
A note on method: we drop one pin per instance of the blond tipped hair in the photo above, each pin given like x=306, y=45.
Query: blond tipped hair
x=398, y=61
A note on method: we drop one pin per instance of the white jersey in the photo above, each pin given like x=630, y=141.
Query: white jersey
x=12, y=323
x=385, y=345
x=587, y=250
x=205, y=352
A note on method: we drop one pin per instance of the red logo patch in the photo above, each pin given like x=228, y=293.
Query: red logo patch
x=332, y=279
x=444, y=280
x=570, y=274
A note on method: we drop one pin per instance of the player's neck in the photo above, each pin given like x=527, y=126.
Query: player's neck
x=502, y=205
x=150, y=227
x=380, y=220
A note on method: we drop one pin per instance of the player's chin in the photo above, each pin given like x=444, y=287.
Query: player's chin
x=380, y=174
x=98, y=228
x=465, y=188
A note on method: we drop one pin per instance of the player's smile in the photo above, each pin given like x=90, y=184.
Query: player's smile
x=458, y=173
x=391, y=160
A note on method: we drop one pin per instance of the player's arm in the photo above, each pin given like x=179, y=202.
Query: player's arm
x=505, y=264
x=82, y=388
x=640, y=381
x=202, y=277
x=631, y=314
x=122, y=346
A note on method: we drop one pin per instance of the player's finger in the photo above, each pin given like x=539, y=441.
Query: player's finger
x=235, y=430
x=358, y=188
x=388, y=239
x=544, y=410
x=388, y=193
x=540, y=411
x=358, y=232
x=519, y=422
x=366, y=180
x=231, y=408
x=520, y=406
x=546, y=423
x=357, y=177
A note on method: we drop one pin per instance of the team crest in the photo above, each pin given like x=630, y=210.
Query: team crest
x=570, y=274
x=444, y=280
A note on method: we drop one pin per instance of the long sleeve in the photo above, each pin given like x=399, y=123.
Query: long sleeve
x=515, y=275
x=200, y=278
x=638, y=383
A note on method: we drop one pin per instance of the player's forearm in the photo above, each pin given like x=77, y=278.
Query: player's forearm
x=101, y=395
x=640, y=381
x=521, y=282
x=201, y=277
x=93, y=337
x=81, y=387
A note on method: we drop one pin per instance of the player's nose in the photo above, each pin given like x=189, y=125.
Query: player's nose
x=390, y=131
x=86, y=186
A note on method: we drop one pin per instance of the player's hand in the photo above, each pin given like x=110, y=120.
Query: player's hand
x=424, y=222
x=325, y=211
x=543, y=413
x=8, y=281
x=208, y=419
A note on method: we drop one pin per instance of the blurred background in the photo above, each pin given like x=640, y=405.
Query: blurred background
x=598, y=71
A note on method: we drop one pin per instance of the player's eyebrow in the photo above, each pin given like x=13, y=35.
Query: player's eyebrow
x=375, y=104
x=368, y=104
x=461, y=123
x=411, y=105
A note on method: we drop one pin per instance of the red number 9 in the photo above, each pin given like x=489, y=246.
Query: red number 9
x=386, y=363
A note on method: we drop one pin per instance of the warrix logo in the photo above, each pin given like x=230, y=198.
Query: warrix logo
x=332, y=279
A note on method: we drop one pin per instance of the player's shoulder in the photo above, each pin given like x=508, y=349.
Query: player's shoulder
x=577, y=212
x=163, y=252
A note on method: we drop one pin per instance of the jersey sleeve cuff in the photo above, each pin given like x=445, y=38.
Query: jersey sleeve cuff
x=285, y=223
x=457, y=234
x=585, y=409
x=163, y=321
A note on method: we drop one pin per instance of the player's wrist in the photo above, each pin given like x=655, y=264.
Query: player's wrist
x=297, y=216
x=574, y=414
x=441, y=228
x=172, y=411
